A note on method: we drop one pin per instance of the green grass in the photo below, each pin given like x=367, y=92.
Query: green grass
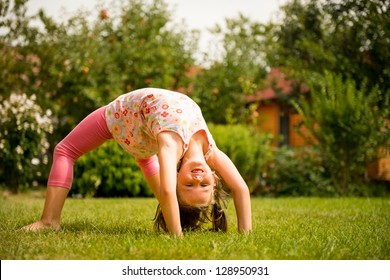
x=284, y=229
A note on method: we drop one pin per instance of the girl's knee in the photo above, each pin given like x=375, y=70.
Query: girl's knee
x=64, y=149
x=149, y=166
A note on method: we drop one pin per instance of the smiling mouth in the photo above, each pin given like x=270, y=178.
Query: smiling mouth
x=197, y=171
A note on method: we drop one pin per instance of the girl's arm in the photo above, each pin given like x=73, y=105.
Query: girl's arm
x=241, y=196
x=168, y=153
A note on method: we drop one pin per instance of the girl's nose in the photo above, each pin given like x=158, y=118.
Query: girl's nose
x=198, y=178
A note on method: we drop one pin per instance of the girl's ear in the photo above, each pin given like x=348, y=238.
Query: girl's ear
x=212, y=200
x=216, y=178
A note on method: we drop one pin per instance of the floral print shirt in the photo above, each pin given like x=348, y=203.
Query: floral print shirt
x=136, y=118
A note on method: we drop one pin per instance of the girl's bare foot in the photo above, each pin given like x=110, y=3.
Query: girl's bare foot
x=40, y=225
x=50, y=219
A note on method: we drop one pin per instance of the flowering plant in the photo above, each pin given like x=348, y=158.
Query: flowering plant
x=23, y=140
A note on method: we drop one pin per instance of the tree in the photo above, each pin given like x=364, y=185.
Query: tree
x=77, y=65
x=350, y=38
x=348, y=125
x=221, y=89
x=359, y=33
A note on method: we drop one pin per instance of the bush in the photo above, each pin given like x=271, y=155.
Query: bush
x=297, y=172
x=249, y=150
x=350, y=123
x=108, y=171
x=23, y=140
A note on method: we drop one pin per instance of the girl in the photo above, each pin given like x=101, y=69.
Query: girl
x=166, y=133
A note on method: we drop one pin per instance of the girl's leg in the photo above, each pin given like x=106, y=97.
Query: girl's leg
x=51, y=216
x=86, y=136
x=89, y=134
x=150, y=168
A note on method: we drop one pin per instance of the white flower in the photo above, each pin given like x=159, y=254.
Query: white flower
x=19, y=150
x=19, y=114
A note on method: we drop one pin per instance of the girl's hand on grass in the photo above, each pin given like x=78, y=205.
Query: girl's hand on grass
x=40, y=225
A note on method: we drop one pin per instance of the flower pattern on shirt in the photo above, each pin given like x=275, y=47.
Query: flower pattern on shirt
x=136, y=118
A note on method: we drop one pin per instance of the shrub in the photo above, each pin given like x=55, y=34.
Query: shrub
x=298, y=172
x=23, y=140
x=350, y=123
x=108, y=171
x=249, y=150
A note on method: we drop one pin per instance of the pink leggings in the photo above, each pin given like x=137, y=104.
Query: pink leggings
x=89, y=134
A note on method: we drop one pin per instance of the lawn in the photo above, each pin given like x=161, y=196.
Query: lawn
x=118, y=229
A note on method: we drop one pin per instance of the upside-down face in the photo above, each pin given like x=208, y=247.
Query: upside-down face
x=195, y=183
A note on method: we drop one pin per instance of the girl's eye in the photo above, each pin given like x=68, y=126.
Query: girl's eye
x=205, y=185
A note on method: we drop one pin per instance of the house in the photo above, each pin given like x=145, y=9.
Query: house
x=275, y=115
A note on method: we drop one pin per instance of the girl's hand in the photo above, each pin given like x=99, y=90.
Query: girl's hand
x=169, y=152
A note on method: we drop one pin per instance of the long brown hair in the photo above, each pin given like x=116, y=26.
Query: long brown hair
x=193, y=217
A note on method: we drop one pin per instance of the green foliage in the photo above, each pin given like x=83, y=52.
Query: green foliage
x=221, y=89
x=349, y=37
x=297, y=172
x=348, y=125
x=359, y=35
x=122, y=229
x=249, y=150
x=24, y=128
x=108, y=171
x=78, y=65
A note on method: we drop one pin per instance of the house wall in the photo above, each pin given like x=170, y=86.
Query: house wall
x=269, y=114
x=298, y=138
x=268, y=120
x=380, y=169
